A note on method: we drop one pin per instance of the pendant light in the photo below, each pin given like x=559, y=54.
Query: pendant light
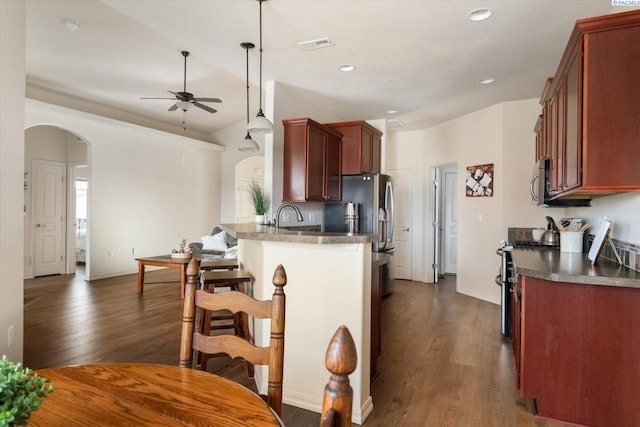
x=260, y=123
x=248, y=144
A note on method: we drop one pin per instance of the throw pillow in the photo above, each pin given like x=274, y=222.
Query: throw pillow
x=231, y=253
x=217, y=242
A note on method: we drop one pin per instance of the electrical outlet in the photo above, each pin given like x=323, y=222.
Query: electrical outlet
x=10, y=336
x=312, y=216
x=110, y=253
x=286, y=217
x=133, y=251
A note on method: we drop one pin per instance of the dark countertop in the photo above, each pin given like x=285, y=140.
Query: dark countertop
x=252, y=231
x=380, y=258
x=556, y=266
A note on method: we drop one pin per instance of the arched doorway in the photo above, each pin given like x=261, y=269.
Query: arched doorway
x=248, y=170
x=56, y=202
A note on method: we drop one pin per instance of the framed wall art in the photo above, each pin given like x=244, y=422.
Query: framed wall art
x=480, y=180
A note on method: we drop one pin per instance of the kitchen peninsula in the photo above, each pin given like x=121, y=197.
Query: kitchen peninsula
x=576, y=337
x=328, y=285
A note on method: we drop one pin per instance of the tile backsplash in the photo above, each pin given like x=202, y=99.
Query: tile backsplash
x=629, y=252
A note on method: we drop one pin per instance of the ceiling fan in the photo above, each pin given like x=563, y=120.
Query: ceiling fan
x=185, y=99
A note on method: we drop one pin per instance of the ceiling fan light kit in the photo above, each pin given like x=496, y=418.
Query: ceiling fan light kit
x=183, y=105
x=248, y=144
x=184, y=100
x=260, y=123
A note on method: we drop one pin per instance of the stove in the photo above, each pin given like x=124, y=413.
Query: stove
x=505, y=278
x=525, y=244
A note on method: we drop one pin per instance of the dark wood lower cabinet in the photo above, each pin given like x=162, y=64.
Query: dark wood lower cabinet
x=376, y=321
x=579, y=351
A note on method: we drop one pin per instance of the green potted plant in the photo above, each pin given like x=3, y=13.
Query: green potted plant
x=21, y=392
x=260, y=202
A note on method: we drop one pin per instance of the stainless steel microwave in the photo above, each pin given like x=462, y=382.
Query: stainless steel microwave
x=538, y=185
x=539, y=189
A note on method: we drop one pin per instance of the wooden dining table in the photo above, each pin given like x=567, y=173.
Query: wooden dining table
x=137, y=394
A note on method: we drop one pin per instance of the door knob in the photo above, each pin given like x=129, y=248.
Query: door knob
x=406, y=229
x=38, y=225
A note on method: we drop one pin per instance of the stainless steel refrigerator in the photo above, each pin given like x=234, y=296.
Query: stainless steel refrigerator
x=373, y=194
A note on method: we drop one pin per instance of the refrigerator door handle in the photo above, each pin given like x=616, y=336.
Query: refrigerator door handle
x=389, y=205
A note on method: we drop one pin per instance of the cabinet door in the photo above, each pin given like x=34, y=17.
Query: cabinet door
x=561, y=135
x=516, y=317
x=367, y=150
x=611, y=109
x=333, y=168
x=376, y=147
x=554, y=182
x=573, y=142
x=538, y=130
x=315, y=164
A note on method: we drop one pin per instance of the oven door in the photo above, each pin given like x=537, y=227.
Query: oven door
x=503, y=280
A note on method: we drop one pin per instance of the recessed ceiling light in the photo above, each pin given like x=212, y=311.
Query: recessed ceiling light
x=486, y=80
x=346, y=67
x=71, y=24
x=392, y=111
x=479, y=14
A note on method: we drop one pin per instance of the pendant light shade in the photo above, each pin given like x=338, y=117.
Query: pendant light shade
x=260, y=123
x=248, y=144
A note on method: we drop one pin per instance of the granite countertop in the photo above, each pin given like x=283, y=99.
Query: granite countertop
x=252, y=231
x=551, y=264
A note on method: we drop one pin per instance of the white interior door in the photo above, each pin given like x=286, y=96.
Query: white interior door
x=244, y=210
x=435, y=224
x=450, y=219
x=403, y=210
x=48, y=210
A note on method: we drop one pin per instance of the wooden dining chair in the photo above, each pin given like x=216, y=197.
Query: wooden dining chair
x=341, y=360
x=193, y=340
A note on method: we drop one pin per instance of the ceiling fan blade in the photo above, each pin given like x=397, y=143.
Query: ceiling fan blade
x=207, y=99
x=174, y=107
x=204, y=107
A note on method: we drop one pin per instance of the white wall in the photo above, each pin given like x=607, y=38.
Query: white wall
x=231, y=137
x=148, y=189
x=501, y=134
x=45, y=143
x=405, y=150
x=623, y=210
x=12, y=72
x=281, y=102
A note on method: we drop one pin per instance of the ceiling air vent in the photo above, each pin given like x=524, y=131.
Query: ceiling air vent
x=316, y=44
x=395, y=124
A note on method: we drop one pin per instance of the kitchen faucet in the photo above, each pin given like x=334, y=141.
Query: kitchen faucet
x=291, y=205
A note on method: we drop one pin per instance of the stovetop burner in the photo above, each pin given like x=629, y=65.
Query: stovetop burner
x=525, y=243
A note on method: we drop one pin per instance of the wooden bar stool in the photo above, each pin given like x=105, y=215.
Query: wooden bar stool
x=212, y=264
x=234, y=280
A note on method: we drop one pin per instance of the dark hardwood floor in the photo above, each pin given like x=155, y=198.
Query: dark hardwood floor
x=444, y=362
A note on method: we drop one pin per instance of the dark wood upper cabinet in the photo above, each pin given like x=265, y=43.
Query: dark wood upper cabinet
x=591, y=109
x=312, y=162
x=360, y=147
